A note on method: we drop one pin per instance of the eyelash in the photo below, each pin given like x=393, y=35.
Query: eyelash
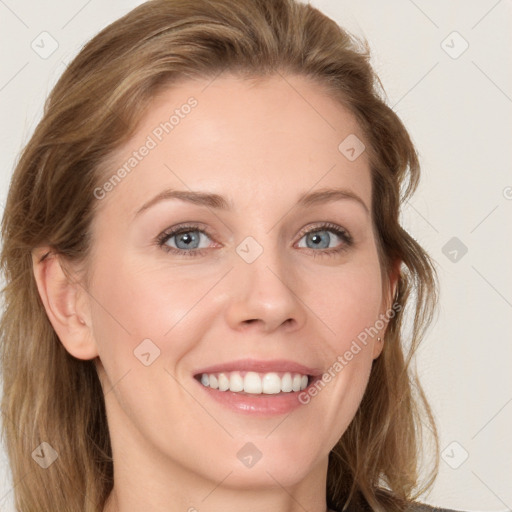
x=340, y=232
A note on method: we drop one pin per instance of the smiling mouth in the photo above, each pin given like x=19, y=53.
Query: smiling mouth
x=255, y=383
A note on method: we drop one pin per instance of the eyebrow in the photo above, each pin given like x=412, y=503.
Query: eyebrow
x=219, y=202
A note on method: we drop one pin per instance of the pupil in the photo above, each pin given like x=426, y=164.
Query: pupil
x=186, y=238
x=317, y=238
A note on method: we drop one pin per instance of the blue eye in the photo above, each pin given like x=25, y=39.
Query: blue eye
x=322, y=238
x=186, y=240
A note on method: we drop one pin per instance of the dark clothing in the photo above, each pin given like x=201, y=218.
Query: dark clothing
x=414, y=507
x=421, y=507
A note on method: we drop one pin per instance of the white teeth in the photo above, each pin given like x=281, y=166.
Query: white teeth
x=252, y=383
x=296, y=382
x=236, y=383
x=286, y=382
x=214, y=383
x=255, y=383
x=223, y=382
x=271, y=384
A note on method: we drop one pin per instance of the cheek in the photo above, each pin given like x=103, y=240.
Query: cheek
x=134, y=303
x=145, y=321
x=349, y=310
x=348, y=300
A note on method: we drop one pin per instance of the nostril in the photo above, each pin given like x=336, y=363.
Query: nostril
x=252, y=320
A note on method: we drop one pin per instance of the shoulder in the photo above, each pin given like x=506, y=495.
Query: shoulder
x=422, y=507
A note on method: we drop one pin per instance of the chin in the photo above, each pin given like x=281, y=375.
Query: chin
x=271, y=472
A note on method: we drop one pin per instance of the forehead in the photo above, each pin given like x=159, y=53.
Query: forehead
x=244, y=139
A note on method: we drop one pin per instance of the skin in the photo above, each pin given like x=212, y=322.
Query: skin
x=261, y=145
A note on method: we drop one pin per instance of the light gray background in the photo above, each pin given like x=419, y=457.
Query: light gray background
x=458, y=109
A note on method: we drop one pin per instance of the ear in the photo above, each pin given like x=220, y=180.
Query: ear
x=388, y=302
x=393, y=283
x=66, y=303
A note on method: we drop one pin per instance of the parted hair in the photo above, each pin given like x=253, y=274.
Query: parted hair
x=50, y=396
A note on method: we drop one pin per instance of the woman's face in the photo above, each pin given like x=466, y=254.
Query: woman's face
x=263, y=289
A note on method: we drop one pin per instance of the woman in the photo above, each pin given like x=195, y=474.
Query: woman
x=206, y=278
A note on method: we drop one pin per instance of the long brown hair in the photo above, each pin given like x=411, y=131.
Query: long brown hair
x=48, y=395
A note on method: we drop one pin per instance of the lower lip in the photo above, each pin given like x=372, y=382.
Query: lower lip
x=262, y=405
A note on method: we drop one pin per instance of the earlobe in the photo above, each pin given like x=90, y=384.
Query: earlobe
x=63, y=301
x=378, y=345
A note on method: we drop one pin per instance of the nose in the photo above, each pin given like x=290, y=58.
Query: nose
x=263, y=296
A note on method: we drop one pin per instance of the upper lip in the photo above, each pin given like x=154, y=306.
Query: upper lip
x=261, y=366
